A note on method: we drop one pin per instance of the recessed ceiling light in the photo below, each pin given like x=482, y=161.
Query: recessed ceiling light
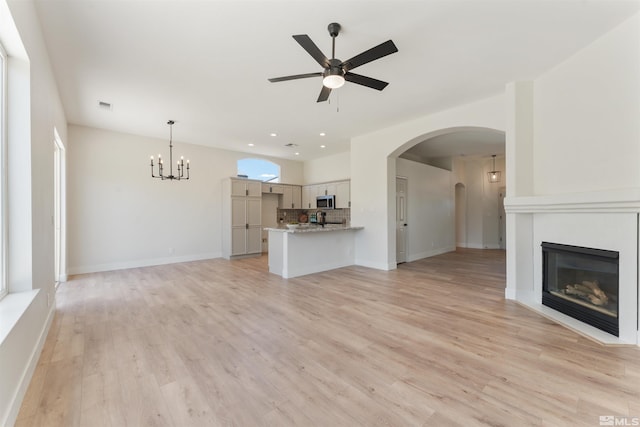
x=322, y=134
x=297, y=154
x=322, y=146
x=274, y=134
x=251, y=144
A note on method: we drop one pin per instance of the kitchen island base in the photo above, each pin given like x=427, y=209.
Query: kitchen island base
x=294, y=253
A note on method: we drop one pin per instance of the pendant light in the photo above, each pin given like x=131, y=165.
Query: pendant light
x=494, y=175
x=180, y=163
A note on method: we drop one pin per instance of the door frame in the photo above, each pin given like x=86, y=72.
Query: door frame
x=59, y=209
x=405, y=222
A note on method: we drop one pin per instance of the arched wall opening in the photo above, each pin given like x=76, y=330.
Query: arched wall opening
x=374, y=159
x=445, y=169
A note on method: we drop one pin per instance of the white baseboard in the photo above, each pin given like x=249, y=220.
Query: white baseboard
x=509, y=293
x=14, y=407
x=481, y=246
x=376, y=265
x=141, y=263
x=427, y=254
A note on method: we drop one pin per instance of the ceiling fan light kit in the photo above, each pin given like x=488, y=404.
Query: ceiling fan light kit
x=333, y=81
x=336, y=72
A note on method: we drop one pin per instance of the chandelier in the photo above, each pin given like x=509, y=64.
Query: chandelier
x=180, y=163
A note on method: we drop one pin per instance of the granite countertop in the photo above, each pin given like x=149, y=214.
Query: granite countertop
x=313, y=228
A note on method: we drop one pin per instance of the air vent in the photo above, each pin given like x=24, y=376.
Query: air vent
x=291, y=144
x=105, y=105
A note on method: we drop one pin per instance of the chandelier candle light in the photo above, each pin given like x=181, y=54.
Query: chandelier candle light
x=180, y=163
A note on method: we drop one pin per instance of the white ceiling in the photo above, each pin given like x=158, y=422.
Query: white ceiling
x=205, y=64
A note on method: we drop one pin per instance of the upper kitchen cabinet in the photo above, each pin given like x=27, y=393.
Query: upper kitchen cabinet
x=309, y=197
x=343, y=194
x=273, y=188
x=291, y=197
x=245, y=187
x=340, y=189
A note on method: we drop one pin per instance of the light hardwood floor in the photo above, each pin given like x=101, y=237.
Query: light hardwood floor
x=219, y=342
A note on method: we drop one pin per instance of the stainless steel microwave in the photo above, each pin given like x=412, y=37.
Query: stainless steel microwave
x=326, y=202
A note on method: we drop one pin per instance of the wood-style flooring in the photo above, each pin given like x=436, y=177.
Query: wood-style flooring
x=216, y=342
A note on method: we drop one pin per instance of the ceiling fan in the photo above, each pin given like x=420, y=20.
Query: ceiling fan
x=335, y=71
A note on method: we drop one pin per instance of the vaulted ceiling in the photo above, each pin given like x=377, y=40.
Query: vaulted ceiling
x=205, y=64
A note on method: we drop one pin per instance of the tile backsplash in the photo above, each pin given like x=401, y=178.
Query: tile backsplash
x=332, y=215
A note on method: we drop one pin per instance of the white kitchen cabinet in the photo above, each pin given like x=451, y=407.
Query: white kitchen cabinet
x=340, y=189
x=309, y=197
x=297, y=196
x=241, y=217
x=273, y=188
x=245, y=187
x=330, y=189
x=343, y=194
x=291, y=197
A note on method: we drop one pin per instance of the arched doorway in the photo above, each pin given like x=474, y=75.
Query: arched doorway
x=454, y=202
x=373, y=167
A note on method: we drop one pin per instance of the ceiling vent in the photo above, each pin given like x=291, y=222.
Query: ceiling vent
x=291, y=144
x=105, y=105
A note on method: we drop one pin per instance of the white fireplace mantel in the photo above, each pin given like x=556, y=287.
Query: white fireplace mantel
x=624, y=200
x=599, y=219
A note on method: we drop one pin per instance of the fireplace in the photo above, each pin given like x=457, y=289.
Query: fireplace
x=582, y=283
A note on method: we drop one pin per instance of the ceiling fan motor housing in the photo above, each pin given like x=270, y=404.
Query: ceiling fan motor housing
x=334, y=68
x=334, y=29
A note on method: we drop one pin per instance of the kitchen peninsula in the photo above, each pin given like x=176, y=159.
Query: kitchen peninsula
x=310, y=249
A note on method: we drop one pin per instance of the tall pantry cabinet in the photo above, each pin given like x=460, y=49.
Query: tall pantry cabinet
x=241, y=217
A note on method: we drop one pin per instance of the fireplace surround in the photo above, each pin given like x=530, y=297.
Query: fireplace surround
x=600, y=219
x=582, y=283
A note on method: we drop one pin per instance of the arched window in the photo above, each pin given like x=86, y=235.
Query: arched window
x=261, y=169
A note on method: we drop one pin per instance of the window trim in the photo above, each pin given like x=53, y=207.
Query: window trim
x=4, y=285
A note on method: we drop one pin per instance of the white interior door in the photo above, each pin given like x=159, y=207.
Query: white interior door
x=401, y=220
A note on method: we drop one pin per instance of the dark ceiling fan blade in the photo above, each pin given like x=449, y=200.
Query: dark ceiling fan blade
x=365, y=81
x=324, y=94
x=383, y=49
x=313, y=50
x=297, y=76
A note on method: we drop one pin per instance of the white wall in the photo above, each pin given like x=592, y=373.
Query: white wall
x=35, y=109
x=586, y=113
x=580, y=121
x=124, y=218
x=430, y=209
x=331, y=168
x=482, y=200
x=373, y=171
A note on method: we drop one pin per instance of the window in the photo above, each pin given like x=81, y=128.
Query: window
x=3, y=173
x=261, y=169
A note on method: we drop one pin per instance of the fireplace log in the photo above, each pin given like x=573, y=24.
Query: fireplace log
x=589, y=291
